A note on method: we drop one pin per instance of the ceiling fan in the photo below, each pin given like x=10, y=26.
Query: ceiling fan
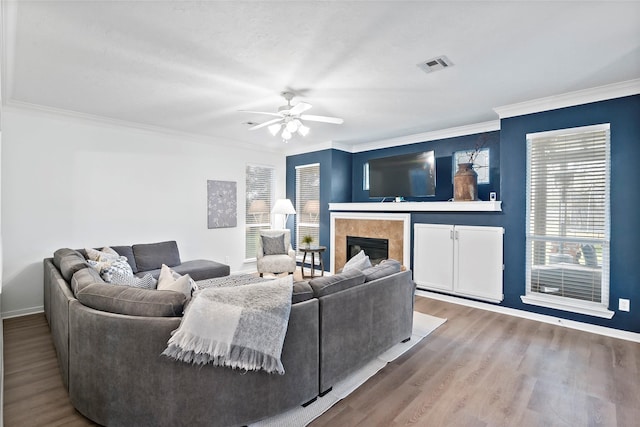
x=290, y=119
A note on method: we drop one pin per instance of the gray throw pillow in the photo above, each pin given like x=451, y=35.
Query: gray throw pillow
x=128, y=252
x=273, y=245
x=108, y=268
x=145, y=282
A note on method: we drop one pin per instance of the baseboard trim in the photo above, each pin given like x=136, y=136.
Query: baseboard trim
x=572, y=324
x=22, y=312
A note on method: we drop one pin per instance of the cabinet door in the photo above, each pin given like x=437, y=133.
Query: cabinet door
x=433, y=256
x=478, y=262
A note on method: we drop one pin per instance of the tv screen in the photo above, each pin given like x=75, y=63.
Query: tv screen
x=407, y=175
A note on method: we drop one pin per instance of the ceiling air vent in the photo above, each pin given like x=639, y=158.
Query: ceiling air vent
x=435, y=64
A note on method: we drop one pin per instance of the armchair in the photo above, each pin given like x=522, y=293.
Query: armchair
x=275, y=254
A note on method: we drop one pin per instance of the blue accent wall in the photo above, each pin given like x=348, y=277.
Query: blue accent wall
x=508, y=180
x=624, y=116
x=443, y=150
x=335, y=187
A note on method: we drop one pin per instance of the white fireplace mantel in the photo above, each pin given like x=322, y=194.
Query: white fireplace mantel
x=477, y=206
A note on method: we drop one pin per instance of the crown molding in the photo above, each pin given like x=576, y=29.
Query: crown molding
x=293, y=149
x=117, y=123
x=570, y=99
x=489, y=126
x=453, y=132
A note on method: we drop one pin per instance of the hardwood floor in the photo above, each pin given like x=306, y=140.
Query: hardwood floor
x=478, y=369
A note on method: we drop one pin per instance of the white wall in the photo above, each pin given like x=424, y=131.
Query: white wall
x=70, y=182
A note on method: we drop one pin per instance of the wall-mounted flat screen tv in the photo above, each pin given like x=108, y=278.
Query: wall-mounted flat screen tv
x=407, y=175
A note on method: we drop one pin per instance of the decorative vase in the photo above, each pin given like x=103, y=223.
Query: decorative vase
x=465, y=183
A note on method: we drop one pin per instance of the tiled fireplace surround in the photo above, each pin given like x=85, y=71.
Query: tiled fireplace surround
x=396, y=227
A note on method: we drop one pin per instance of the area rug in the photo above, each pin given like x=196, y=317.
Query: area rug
x=423, y=325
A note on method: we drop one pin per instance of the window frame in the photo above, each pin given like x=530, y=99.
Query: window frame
x=264, y=214
x=575, y=305
x=300, y=209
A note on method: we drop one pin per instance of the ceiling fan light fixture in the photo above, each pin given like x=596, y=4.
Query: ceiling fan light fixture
x=274, y=129
x=303, y=130
x=292, y=126
x=288, y=121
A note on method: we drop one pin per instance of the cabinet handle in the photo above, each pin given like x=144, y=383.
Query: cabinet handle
x=451, y=234
x=456, y=234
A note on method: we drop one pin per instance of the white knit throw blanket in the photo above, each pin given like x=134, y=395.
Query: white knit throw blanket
x=240, y=326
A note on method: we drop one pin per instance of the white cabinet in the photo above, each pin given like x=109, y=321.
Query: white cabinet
x=459, y=259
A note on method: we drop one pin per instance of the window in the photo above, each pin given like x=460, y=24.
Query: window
x=480, y=164
x=308, y=202
x=568, y=220
x=365, y=176
x=259, y=189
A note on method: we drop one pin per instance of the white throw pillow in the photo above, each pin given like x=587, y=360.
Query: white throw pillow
x=358, y=262
x=167, y=281
x=106, y=254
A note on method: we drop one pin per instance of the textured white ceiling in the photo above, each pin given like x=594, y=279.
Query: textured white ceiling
x=190, y=66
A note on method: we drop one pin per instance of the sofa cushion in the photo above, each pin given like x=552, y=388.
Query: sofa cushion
x=71, y=263
x=132, y=301
x=83, y=278
x=385, y=268
x=128, y=252
x=357, y=262
x=200, y=269
x=302, y=291
x=326, y=285
x=57, y=255
x=151, y=256
x=273, y=245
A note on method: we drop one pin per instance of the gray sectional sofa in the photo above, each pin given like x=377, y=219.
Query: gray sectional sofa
x=110, y=352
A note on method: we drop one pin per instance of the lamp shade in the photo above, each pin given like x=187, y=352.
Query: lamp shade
x=284, y=207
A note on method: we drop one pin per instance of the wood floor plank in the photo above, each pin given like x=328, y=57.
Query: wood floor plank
x=480, y=368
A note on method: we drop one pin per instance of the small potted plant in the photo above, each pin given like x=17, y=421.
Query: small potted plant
x=306, y=240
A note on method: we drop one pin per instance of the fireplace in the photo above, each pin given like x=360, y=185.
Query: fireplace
x=395, y=228
x=376, y=249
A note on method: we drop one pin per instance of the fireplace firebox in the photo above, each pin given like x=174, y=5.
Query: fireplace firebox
x=376, y=249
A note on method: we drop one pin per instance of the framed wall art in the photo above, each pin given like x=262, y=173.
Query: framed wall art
x=222, y=204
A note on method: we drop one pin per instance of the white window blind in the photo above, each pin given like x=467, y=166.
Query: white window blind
x=568, y=216
x=365, y=176
x=259, y=195
x=308, y=203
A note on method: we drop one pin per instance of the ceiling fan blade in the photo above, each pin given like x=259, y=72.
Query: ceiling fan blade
x=265, y=124
x=261, y=112
x=324, y=119
x=299, y=108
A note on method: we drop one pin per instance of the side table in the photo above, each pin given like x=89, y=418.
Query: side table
x=313, y=250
